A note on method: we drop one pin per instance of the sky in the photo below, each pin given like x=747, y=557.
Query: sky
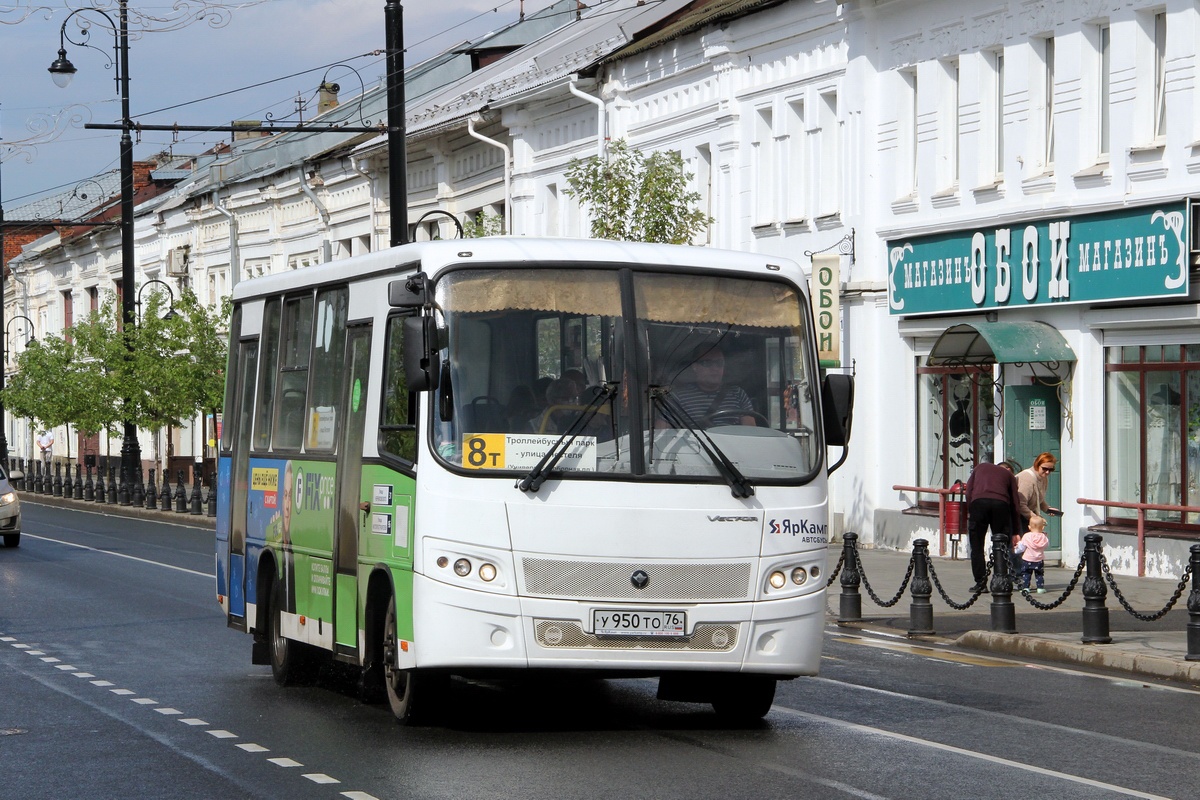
x=196, y=74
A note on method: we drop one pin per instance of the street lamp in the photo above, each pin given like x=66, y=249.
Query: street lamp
x=4, y=370
x=62, y=70
x=170, y=294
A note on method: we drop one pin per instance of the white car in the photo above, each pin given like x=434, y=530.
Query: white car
x=10, y=509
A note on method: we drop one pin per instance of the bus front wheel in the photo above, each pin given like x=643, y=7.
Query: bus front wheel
x=398, y=682
x=744, y=699
x=289, y=659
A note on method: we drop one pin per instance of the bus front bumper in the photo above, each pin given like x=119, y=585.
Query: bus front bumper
x=465, y=629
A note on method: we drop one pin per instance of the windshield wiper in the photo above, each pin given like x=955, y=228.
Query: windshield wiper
x=676, y=416
x=541, y=471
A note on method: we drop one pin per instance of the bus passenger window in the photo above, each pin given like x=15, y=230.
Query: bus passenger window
x=397, y=428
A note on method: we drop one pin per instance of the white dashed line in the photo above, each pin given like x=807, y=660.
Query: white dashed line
x=51, y=659
x=123, y=692
x=250, y=747
x=83, y=675
x=36, y=652
x=321, y=777
x=7, y=639
x=222, y=734
x=168, y=711
x=285, y=762
x=103, y=683
x=66, y=667
x=193, y=721
x=20, y=646
x=145, y=701
x=359, y=796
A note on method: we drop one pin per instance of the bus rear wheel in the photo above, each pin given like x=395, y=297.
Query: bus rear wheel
x=290, y=660
x=743, y=699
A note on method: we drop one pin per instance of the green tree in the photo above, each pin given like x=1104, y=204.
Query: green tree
x=158, y=372
x=485, y=223
x=635, y=197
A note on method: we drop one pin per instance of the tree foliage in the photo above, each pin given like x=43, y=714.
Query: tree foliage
x=485, y=223
x=158, y=372
x=636, y=197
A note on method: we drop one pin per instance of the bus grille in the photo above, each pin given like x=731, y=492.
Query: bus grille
x=601, y=580
x=564, y=633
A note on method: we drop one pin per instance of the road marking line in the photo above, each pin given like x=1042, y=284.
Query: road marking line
x=930, y=652
x=66, y=667
x=359, y=796
x=168, y=711
x=20, y=646
x=854, y=726
x=285, y=762
x=123, y=555
x=222, y=734
x=250, y=747
x=103, y=683
x=83, y=674
x=145, y=701
x=123, y=692
x=193, y=721
x=320, y=777
x=51, y=659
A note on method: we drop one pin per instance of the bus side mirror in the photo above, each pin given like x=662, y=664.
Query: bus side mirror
x=837, y=408
x=422, y=362
x=410, y=292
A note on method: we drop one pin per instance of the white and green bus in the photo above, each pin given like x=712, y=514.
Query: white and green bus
x=476, y=456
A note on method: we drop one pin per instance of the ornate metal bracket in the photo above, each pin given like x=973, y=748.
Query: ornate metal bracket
x=845, y=247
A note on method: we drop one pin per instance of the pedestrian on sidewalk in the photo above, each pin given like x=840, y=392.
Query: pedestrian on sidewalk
x=1032, y=485
x=1032, y=549
x=46, y=442
x=992, y=499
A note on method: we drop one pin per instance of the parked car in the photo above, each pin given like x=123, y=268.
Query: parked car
x=10, y=508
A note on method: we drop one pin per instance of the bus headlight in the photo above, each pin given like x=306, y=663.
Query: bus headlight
x=777, y=579
x=799, y=576
x=487, y=572
x=462, y=567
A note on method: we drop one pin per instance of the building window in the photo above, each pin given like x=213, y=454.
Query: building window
x=1160, y=75
x=1152, y=442
x=93, y=295
x=829, y=156
x=907, y=139
x=1103, y=95
x=950, y=126
x=956, y=426
x=1048, y=99
x=998, y=103
x=794, y=186
x=765, y=168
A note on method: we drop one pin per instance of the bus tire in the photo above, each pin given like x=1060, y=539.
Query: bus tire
x=289, y=659
x=400, y=684
x=743, y=699
x=12, y=539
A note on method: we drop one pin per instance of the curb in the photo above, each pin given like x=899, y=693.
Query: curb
x=1098, y=656
x=109, y=510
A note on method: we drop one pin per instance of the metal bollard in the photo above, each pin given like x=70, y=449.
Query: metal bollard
x=212, y=495
x=77, y=487
x=1004, y=615
x=850, y=602
x=920, y=614
x=138, y=492
x=196, y=502
x=180, y=496
x=37, y=477
x=101, y=494
x=112, y=486
x=1193, y=607
x=1095, y=613
x=151, y=493
x=57, y=489
x=164, y=497
x=123, y=488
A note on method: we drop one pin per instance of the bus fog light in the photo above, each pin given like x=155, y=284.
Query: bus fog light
x=815, y=571
x=442, y=561
x=777, y=580
x=462, y=568
x=487, y=572
x=799, y=576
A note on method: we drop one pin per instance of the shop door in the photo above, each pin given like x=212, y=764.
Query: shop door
x=1033, y=425
x=351, y=519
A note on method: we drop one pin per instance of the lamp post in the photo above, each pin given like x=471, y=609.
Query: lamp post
x=4, y=370
x=62, y=70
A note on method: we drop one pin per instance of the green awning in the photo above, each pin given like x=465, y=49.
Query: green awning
x=987, y=343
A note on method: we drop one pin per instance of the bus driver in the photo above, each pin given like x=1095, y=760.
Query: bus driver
x=707, y=395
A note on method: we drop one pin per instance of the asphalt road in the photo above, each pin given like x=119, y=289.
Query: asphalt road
x=118, y=678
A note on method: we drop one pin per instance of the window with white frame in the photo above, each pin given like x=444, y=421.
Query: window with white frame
x=765, y=168
x=829, y=157
x=1103, y=89
x=949, y=125
x=550, y=218
x=997, y=64
x=796, y=167
x=701, y=170
x=302, y=260
x=1160, y=75
x=1048, y=102
x=906, y=134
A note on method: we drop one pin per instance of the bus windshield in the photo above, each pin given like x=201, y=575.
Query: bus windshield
x=633, y=373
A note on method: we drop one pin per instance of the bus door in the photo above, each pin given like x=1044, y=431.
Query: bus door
x=239, y=480
x=351, y=519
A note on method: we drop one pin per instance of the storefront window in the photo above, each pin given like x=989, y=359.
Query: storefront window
x=955, y=423
x=1153, y=431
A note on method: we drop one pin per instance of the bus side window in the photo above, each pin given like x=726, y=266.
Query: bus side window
x=398, y=425
x=293, y=371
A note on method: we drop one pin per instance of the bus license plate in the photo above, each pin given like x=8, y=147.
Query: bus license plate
x=638, y=622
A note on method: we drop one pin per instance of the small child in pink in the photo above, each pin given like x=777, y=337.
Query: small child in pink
x=1032, y=549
